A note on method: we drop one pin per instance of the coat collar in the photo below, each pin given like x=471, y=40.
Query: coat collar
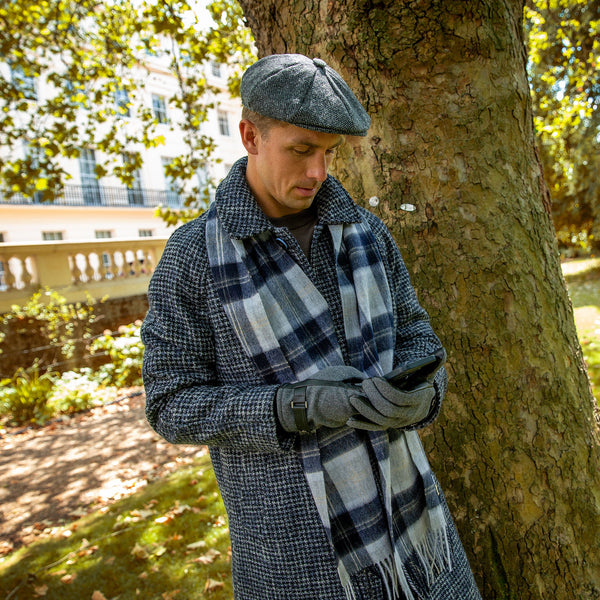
x=241, y=217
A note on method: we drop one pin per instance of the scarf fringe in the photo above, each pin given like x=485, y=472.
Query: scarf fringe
x=433, y=553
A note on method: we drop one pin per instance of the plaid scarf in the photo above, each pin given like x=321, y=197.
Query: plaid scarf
x=285, y=327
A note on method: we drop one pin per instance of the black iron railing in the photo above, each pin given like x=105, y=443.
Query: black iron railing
x=99, y=195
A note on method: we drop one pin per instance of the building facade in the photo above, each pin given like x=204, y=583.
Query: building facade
x=101, y=237
x=93, y=208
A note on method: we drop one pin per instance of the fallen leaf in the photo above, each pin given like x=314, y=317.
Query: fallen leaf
x=220, y=521
x=139, y=552
x=40, y=590
x=87, y=551
x=194, y=545
x=212, y=585
x=209, y=557
x=170, y=595
x=98, y=596
x=68, y=578
x=164, y=519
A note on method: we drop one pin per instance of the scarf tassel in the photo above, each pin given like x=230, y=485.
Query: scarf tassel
x=434, y=558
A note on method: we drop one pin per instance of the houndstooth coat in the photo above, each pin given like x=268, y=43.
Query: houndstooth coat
x=201, y=388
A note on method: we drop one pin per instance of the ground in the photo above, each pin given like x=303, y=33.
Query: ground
x=61, y=471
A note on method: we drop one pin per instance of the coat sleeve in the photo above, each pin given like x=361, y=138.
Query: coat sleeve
x=415, y=337
x=191, y=397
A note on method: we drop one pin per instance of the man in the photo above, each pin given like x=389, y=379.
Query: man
x=273, y=319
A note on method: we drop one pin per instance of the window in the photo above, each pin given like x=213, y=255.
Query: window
x=146, y=232
x=102, y=234
x=122, y=102
x=135, y=193
x=215, y=69
x=223, y=123
x=32, y=156
x=159, y=108
x=49, y=236
x=171, y=187
x=89, y=181
x=1, y=238
x=24, y=83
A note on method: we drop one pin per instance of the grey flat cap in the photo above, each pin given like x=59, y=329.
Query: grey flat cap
x=304, y=92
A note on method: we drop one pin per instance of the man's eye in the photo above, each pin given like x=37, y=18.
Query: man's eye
x=301, y=151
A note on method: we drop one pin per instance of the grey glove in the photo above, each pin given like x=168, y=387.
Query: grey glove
x=324, y=400
x=384, y=406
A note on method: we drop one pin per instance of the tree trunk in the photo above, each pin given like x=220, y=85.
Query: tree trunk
x=517, y=444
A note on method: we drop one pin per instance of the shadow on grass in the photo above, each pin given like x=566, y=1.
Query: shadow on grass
x=168, y=541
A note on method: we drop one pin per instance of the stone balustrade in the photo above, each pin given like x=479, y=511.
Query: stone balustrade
x=105, y=267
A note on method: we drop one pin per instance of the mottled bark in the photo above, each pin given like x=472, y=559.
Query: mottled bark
x=517, y=445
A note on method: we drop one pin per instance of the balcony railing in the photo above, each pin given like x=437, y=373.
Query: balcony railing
x=114, y=268
x=100, y=195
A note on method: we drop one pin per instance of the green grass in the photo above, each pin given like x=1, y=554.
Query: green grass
x=583, y=282
x=156, y=544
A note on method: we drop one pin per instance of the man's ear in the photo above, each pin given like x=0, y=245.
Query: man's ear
x=250, y=135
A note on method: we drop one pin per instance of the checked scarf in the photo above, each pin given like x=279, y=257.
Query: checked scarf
x=284, y=326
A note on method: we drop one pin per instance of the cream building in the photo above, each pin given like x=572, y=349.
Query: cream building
x=105, y=208
x=101, y=237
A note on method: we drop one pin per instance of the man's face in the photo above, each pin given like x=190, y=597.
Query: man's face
x=287, y=165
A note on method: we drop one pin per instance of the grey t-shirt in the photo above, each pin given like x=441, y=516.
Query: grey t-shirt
x=301, y=226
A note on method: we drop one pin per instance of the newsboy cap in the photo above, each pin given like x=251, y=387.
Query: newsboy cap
x=304, y=92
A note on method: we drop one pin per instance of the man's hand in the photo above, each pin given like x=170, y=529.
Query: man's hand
x=384, y=406
x=324, y=400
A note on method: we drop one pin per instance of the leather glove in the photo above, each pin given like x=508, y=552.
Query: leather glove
x=383, y=406
x=324, y=400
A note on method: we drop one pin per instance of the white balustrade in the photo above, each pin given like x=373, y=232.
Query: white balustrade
x=105, y=267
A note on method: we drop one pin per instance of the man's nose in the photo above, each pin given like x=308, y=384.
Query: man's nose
x=317, y=167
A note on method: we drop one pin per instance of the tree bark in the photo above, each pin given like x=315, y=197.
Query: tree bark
x=517, y=444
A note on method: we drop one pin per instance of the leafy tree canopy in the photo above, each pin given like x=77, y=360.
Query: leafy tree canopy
x=563, y=39
x=92, y=56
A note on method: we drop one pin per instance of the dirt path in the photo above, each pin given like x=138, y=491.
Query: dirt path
x=65, y=469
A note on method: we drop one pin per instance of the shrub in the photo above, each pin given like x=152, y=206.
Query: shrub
x=76, y=391
x=125, y=351
x=23, y=398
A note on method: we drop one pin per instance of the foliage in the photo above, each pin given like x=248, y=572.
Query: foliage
x=563, y=38
x=24, y=397
x=94, y=56
x=34, y=397
x=169, y=540
x=75, y=391
x=125, y=351
x=66, y=327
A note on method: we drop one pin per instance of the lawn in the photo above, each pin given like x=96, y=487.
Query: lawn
x=170, y=540
x=583, y=282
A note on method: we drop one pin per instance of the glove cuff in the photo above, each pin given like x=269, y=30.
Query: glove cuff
x=292, y=407
x=299, y=406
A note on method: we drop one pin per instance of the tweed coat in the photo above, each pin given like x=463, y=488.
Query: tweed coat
x=201, y=388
